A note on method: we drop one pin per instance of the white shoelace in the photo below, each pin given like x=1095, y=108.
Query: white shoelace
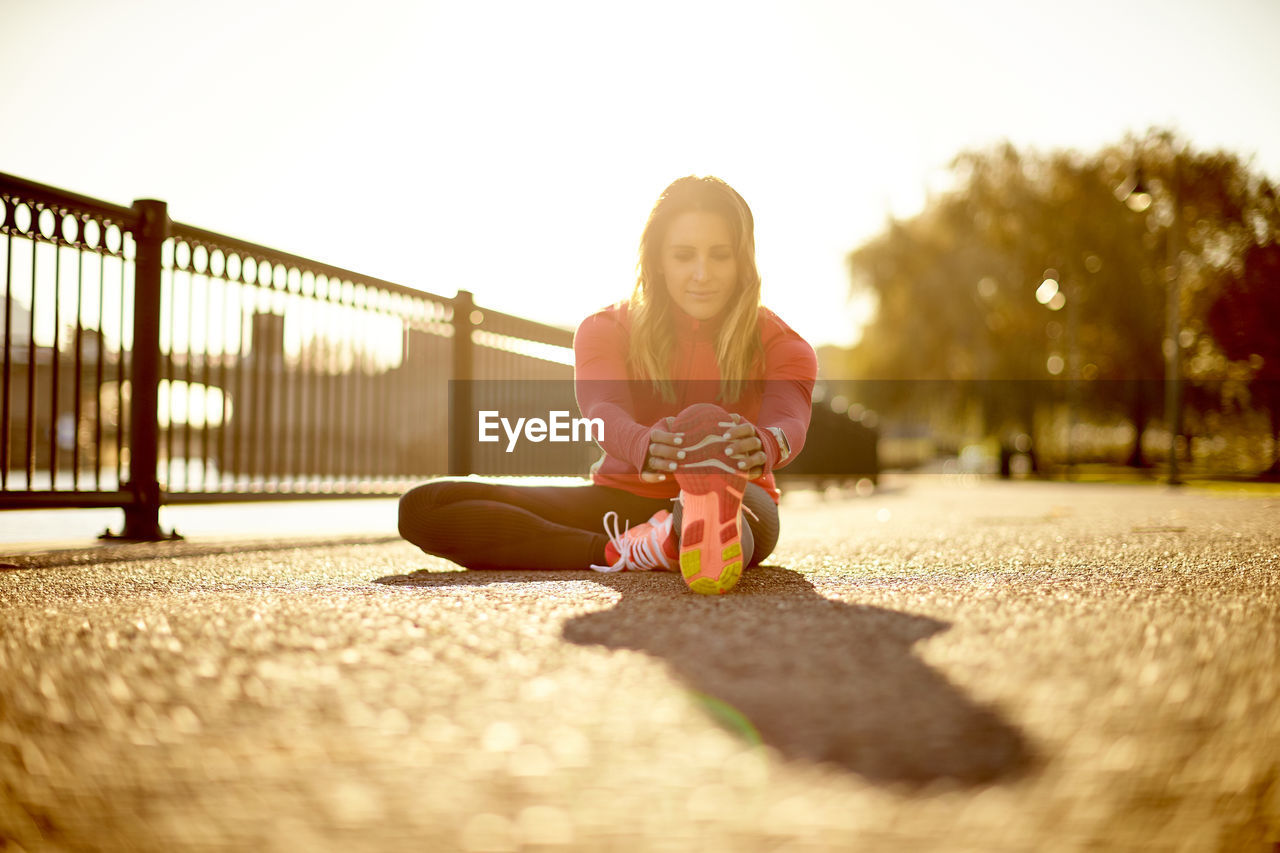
x=637, y=553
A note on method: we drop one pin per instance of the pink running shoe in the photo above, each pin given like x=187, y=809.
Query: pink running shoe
x=642, y=548
x=711, y=491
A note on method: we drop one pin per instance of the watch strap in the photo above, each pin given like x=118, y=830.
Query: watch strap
x=784, y=448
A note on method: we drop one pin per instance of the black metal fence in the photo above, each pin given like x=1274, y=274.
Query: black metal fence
x=146, y=362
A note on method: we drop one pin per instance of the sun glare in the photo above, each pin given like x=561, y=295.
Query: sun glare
x=515, y=154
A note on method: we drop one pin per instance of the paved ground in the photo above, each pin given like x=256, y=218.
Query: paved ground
x=948, y=665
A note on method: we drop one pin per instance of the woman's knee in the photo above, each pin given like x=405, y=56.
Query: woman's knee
x=762, y=516
x=418, y=503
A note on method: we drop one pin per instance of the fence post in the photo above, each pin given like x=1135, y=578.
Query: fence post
x=142, y=517
x=460, y=399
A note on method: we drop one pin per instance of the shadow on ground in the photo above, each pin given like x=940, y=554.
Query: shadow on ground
x=817, y=680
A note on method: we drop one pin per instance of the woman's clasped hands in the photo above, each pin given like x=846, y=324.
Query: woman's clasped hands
x=744, y=450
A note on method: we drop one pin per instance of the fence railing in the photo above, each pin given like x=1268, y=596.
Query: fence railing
x=150, y=362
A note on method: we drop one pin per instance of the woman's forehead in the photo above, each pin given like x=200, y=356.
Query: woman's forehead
x=698, y=227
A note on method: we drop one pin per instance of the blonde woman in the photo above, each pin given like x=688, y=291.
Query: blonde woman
x=703, y=393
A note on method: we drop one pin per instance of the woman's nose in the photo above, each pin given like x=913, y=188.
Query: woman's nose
x=700, y=270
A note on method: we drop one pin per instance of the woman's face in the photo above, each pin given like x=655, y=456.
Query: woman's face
x=699, y=265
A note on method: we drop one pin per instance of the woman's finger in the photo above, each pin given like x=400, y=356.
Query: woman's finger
x=661, y=436
x=661, y=465
x=665, y=451
x=743, y=447
x=752, y=462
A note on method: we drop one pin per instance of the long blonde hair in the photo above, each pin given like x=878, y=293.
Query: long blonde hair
x=652, y=310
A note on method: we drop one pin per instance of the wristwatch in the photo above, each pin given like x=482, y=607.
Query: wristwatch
x=784, y=449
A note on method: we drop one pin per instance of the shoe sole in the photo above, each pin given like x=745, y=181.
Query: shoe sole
x=711, y=501
x=710, y=567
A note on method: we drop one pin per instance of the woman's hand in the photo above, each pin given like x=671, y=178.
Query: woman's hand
x=745, y=448
x=664, y=453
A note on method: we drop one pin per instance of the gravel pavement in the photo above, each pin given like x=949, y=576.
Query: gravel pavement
x=948, y=664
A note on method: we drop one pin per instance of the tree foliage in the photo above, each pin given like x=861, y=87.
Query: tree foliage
x=1242, y=320
x=962, y=294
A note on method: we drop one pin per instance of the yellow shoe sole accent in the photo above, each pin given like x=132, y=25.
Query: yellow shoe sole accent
x=729, y=575
x=706, y=586
x=690, y=564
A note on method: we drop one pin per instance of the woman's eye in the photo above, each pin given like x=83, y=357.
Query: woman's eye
x=684, y=256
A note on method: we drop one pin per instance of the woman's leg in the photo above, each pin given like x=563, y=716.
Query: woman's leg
x=499, y=526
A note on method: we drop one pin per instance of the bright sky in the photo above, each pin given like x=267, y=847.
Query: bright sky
x=514, y=148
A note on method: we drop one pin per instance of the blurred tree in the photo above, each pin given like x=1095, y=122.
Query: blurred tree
x=1242, y=320
x=1032, y=269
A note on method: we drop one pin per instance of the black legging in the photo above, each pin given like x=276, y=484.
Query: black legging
x=483, y=525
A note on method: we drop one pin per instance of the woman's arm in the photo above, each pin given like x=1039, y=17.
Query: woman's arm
x=791, y=368
x=786, y=403
x=603, y=391
x=601, y=387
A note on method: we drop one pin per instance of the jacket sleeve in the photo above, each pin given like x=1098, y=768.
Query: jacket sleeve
x=602, y=387
x=791, y=368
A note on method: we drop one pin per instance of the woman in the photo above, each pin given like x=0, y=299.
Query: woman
x=703, y=393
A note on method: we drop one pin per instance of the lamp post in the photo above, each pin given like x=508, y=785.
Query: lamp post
x=1138, y=198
